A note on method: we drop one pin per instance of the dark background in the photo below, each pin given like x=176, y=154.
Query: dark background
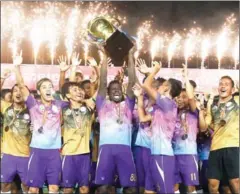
x=167, y=16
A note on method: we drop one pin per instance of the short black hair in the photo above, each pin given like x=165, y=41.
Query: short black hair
x=86, y=81
x=40, y=82
x=80, y=74
x=66, y=86
x=113, y=82
x=34, y=93
x=193, y=83
x=176, y=87
x=4, y=92
x=228, y=77
x=160, y=80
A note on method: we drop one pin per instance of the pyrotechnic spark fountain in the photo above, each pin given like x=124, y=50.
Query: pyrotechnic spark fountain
x=143, y=32
x=221, y=46
x=156, y=44
x=204, y=50
x=36, y=36
x=190, y=43
x=236, y=53
x=70, y=34
x=52, y=29
x=46, y=25
x=13, y=24
x=172, y=47
x=223, y=38
x=86, y=50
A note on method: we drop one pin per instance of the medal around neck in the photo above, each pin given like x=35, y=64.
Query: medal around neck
x=185, y=136
x=83, y=109
x=119, y=121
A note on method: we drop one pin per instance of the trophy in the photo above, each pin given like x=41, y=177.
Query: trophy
x=102, y=30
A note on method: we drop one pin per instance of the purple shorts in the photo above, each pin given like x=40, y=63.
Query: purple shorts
x=144, y=178
x=13, y=165
x=186, y=170
x=162, y=171
x=114, y=158
x=44, y=165
x=75, y=170
x=93, y=173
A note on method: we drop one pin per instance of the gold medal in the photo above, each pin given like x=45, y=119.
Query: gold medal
x=222, y=122
x=6, y=128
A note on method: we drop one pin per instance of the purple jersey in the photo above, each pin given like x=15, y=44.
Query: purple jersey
x=144, y=132
x=46, y=122
x=115, y=121
x=189, y=145
x=163, y=124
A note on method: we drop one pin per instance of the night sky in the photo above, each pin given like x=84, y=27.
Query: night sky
x=179, y=14
x=167, y=16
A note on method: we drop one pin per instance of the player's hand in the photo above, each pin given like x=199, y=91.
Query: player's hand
x=137, y=90
x=75, y=59
x=62, y=61
x=17, y=59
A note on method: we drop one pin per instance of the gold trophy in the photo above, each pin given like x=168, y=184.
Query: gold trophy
x=103, y=30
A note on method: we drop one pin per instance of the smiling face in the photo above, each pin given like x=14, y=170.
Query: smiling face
x=115, y=92
x=17, y=95
x=225, y=88
x=87, y=89
x=182, y=100
x=75, y=93
x=46, y=91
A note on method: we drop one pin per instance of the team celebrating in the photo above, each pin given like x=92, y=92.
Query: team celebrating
x=152, y=136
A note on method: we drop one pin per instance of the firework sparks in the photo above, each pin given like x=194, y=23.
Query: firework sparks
x=13, y=24
x=70, y=34
x=156, y=45
x=204, y=50
x=172, y=47
x=143, y=32
x=52, y=29
x=37, y=36
x=190, y=43
x=236, y=53
x=221, y=46
x=86, y=50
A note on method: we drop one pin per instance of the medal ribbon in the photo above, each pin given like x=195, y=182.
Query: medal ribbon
x=118, y=111
x=184, y=122
x=15, y=116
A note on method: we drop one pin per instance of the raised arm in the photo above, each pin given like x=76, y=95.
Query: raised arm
x=147, y=86
x=143, y=117
x=189, y=90
x=131, y=73
x=75, y=62
x=202, y=123
x=94, y=78
x=6, y=73
x=63, y=69
x=17, y=61
x=142, y=67
x=103, y=77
